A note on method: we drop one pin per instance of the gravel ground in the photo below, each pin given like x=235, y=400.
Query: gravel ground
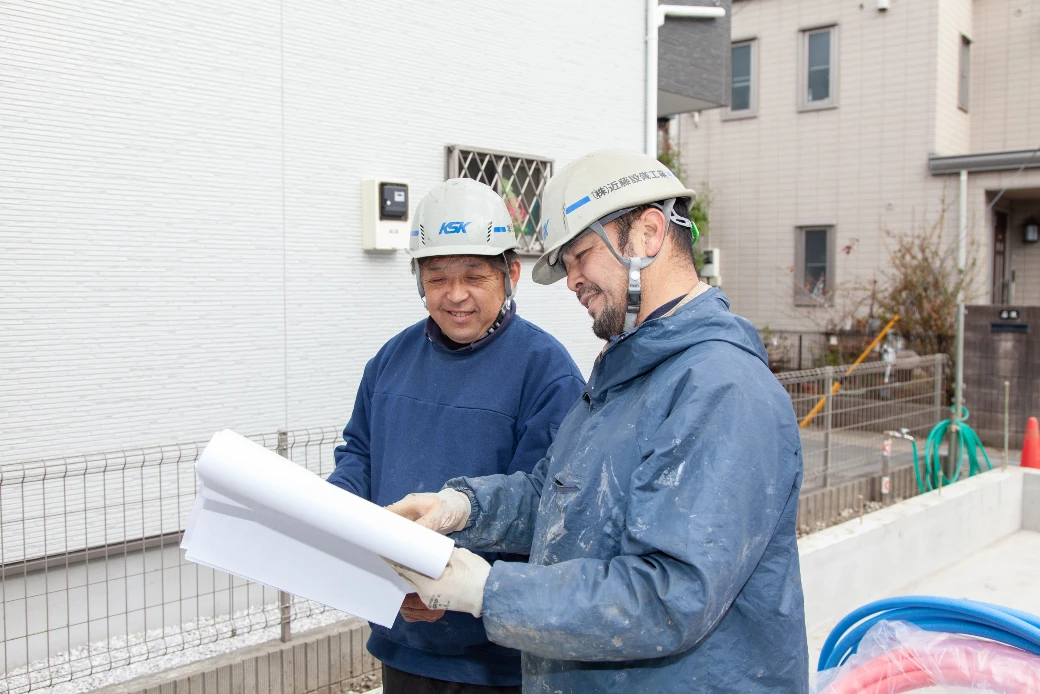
x=135, y=657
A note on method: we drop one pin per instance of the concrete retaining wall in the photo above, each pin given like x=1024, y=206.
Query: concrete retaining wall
x=848, y=565
x=1031, y=499
x=329, y=660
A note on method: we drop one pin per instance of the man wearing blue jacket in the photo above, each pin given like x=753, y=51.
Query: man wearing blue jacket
x=472, y=390
x=661, y=523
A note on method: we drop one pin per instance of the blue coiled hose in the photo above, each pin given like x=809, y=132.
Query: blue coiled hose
x=994, y=622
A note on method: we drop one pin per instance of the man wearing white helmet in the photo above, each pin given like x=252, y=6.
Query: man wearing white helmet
x=661, y=524
x=472, y=390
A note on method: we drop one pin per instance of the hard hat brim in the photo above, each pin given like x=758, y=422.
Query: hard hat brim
x=433, y=251
x=544, y=273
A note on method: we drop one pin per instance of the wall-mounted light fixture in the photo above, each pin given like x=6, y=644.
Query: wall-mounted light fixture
x=1031, y=231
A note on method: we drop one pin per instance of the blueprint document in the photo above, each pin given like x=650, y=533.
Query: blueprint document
x=269, y=520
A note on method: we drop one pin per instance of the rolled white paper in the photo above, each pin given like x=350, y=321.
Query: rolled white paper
x=255, y=477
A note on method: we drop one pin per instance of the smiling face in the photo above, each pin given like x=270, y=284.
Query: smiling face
x=598, y=280
x=464, y=294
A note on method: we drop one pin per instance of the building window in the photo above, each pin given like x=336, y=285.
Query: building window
x=519, y=178
x=818, y=69
x=814, y=265
x=965, y=74
x=743, y=80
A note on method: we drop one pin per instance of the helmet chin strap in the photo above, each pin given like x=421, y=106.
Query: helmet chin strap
x=418, y=279
x=505, y=304
x=509, y=286
x=635, y=266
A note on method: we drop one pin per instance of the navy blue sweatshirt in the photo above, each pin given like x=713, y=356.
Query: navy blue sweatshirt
x=426, y=413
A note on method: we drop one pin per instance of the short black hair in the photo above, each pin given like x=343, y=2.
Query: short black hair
x=682, y=237
x=503, y=262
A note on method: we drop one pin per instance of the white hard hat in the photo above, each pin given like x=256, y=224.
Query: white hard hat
x=461, y=217
x=595, y=190
x=593, y=187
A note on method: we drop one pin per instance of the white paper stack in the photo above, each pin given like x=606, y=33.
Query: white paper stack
x=269, y=520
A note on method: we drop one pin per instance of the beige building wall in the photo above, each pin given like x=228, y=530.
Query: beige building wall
x=1003, y=114
x=1006, y=115
x=1025, y=257
x=952, y=124
x=845, y=167
x=1005, y=110
x=1020, y=201
x=862, y=166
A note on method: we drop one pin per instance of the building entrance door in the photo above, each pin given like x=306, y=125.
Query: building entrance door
x=1001, y=286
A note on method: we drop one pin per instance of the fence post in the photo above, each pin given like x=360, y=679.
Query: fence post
x=284, y=599
x=1007, y=399
x=938, y=386
x=886, y=461
x=827, y=411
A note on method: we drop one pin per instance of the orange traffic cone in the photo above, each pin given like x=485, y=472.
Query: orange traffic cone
x=1031, y=445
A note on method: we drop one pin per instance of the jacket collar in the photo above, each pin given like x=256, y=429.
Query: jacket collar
x=439, y=339
x=699, y=319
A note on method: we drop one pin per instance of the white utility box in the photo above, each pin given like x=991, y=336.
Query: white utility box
x=712, y=270
x=384, y=214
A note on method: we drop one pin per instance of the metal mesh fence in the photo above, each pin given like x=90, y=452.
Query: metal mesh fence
x=92, y=574
x=843, y=439
x=796, y=351
x=520, y=180
x=93, y=577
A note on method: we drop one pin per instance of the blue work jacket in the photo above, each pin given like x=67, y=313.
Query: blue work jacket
x=660, y=525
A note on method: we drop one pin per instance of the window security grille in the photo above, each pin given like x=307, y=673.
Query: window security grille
x=520, y=180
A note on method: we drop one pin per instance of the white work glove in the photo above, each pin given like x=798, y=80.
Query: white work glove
x=445, y=512
x=459, y=589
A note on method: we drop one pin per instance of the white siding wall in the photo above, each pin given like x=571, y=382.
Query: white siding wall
x=180, y=195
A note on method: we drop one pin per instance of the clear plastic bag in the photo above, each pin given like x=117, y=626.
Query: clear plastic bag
x=896, y=657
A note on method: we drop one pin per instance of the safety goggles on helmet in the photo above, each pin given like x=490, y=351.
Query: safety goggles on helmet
x=556, y=256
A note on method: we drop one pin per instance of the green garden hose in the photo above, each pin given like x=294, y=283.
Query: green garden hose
x=970, y=445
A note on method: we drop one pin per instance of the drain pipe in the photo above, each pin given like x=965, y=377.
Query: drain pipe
x=962, y=250
x=655, y=16
x=962, y=242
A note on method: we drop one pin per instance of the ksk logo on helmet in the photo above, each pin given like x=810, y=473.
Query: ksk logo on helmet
x=453, y=227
